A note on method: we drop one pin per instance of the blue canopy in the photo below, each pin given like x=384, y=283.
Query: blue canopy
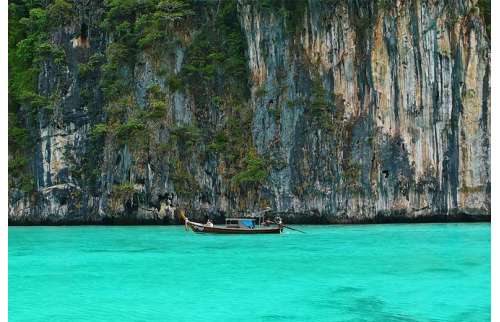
x=247, y=223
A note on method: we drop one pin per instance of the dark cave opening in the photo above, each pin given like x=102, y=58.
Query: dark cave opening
x=84, y=32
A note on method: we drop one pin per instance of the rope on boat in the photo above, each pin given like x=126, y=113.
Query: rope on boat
x=285, y=226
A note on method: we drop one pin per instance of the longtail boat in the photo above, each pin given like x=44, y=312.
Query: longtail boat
x=243, y=225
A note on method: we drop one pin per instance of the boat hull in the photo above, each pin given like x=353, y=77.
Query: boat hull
x=200, y=228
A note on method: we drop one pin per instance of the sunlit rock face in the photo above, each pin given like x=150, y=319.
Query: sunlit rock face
x=414, y=82
x=362, y=112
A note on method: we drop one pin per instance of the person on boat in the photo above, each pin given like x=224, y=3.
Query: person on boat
x=209, y=223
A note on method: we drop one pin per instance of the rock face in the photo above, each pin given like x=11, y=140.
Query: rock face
x=352, y=112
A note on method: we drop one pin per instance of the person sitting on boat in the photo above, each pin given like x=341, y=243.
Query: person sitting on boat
x=209, y=223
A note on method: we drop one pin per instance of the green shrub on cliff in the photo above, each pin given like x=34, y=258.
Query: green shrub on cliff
x=255, y=171
x=60, y=13
x=49, y=51
x=123, y=191
x=174, y=83
x=185, y=183
x=158, y=108
x=35, y=22
x=485, y=10
x=153, y=27
x=114, y=81
x=186, y=135
x=27, y=31
x=219, y=143
x=27, y=34
x=128, y=129
x=18, y=163
x=157, y=102
x=292, y=12
x=215, y=59
x=136, y=26
x=92, y=65
x=29, y=45
x=18, y=137
x=99, y=130
x=144, y=24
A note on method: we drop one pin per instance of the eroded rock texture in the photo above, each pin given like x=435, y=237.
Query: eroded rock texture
x=353, y=111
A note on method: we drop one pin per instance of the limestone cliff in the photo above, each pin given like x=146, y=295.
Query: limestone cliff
x=325, y=111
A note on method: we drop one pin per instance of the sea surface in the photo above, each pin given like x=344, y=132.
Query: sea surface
x=414, y=272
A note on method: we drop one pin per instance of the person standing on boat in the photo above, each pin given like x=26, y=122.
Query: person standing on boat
x=209, y=223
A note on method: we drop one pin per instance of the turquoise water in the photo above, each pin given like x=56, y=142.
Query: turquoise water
x=435, y=272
